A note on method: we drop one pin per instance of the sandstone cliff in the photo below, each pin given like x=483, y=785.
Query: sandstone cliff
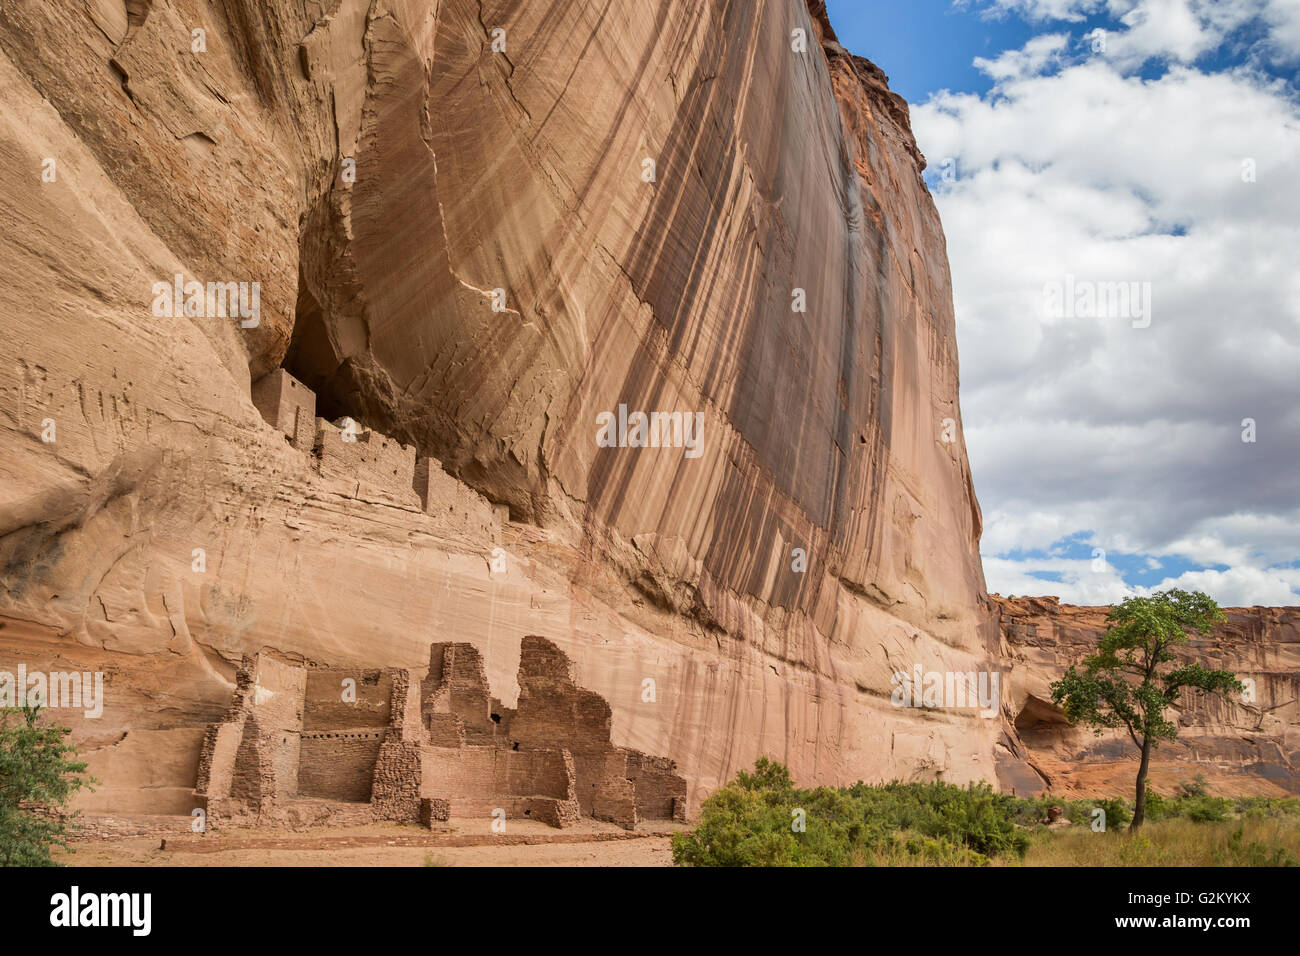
x=475, y=226
x=1241, y=746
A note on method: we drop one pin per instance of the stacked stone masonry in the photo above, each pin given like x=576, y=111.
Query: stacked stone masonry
x=304, y=743
x=360, y=462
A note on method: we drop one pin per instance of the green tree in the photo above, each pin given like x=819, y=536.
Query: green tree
x=1126, y=684
x=37, y=779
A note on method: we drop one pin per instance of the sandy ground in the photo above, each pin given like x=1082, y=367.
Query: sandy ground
x=589, y=844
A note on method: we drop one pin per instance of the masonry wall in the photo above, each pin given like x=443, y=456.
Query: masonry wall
x=477, y=780
x=457, y=685
x=339, y=764
x=370, y=464
x=457, y=506
x=277, y=700
x=288, y=406
x=404, y=747
x=660, y=792
x=217, y=758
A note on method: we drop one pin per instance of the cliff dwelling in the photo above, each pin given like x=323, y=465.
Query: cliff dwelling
x=306, y=743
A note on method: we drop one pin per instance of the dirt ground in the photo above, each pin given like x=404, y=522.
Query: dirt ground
x=526, y=843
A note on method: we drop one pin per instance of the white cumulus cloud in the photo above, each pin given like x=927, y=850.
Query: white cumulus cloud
x=1076, y=169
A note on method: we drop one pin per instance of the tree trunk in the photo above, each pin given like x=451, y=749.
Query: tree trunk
x=1140, y=805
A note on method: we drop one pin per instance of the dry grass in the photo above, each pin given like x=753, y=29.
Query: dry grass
x=1178, y=842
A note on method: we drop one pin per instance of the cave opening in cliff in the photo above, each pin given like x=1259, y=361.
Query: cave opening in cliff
x=313, y=360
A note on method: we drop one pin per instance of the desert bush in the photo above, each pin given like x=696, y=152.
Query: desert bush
x=762, y=819
x=1118, y=813
x=1205, y=809
x=1256, y=807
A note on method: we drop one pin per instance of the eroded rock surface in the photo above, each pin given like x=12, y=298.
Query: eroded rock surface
x=476, y=227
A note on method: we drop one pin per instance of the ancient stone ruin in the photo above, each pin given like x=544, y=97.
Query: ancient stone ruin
x=306, y=744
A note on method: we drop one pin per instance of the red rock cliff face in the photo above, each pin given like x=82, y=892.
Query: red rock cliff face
x=1246, y=745
x=668, y=206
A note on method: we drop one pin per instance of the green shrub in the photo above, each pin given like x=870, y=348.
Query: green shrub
x=762, y=819
x=1205, y=809
x=1117, y=812
x=1196, y=787
x=1160, y=808
x=1257, y=807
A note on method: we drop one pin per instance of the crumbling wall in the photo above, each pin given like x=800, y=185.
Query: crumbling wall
x=457, y=685
x=290, y=736
x=613, y=783
x=395, y=793
x=294, y=749
x=250, y=758
x=479, y=780
x=659, y=791
x=357, y=461
x=276, y=697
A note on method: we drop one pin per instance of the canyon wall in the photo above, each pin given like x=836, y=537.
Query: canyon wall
x=1244, y=744
x=478, y=230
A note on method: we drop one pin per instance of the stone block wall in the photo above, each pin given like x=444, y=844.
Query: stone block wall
x=291, y=751
x=477, y=780
x=288, y=406
x=339, y=764
x=660, y=792
x=457, y=685
x=613, y=783
x=365, y=463
x=395, y=793
x=459, y=507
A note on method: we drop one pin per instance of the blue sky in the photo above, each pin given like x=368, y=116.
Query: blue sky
x=930, y=45
x=925, y=45
x=1153, y=144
